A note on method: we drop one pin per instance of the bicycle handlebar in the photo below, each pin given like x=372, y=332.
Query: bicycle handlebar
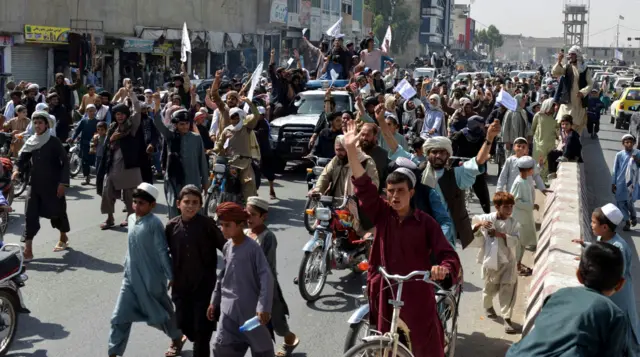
x=426, y=277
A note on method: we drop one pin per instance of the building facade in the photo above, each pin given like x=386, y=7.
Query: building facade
x=141, y=38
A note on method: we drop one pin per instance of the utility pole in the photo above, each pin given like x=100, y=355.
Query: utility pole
x=618, y=33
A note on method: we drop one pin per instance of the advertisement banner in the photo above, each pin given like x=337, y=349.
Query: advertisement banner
x=305, y=13
x=46, y=34
x=279, y=12
x=137, y=45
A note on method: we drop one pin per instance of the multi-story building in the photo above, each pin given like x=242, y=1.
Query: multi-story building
x=463, y=29
x=137, y=38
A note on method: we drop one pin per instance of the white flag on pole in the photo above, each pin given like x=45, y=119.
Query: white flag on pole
x=186, y=44
x=619, y=55
x=255, y=79
x=334, y=31
x=387, y=38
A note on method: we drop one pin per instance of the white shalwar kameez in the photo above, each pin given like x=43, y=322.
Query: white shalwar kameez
x=509, y=173
x=522, y=191
x=575, y=109
x=503, y=280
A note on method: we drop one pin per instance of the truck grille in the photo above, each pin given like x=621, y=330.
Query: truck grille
x=296, y=133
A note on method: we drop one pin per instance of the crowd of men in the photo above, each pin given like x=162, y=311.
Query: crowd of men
x=409, y=160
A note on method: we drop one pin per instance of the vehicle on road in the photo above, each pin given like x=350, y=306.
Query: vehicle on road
x=621, y=113
x=527, y=74
x=12, y=279
x=75, y=160
x=334, y=245
x=224, y=185
x=313, y=173
x=290, y=135
x=398, y=344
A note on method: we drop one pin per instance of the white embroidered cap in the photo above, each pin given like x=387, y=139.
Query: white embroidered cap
x=612, y=213
x=150, y=189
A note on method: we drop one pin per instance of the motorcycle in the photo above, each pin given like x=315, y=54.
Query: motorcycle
x=447, y=302
x=6, y=185
x=334, y=245
x=75, y=160
x=12, y=279
x=319, y=164
x=224, y=185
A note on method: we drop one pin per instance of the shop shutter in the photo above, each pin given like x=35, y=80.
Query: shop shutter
x=29, y=64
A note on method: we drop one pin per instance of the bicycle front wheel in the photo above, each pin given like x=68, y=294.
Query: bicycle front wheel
x=377, y=348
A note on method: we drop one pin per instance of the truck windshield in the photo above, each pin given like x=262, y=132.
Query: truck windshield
x=314, y=103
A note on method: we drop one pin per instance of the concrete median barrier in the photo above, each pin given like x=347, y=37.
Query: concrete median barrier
x=566, y=217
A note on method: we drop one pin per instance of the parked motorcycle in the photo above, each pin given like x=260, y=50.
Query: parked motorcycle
x=447, y=302
x=12, y=279
x=224, y=185
x=313, y=173
x=334, y=245
x=75, y=160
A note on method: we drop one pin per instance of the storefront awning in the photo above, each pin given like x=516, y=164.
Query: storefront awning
x=154, y=33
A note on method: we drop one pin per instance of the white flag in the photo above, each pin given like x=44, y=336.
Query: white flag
x=507, y=100
x=387, y=37
x=619, y=55
x=334, y=31
x=186, y=44
x=255, y=79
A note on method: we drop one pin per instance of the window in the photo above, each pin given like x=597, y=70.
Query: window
x=606, y=52
x=633, y=95
x=293, y=6
x=357, y=10
x=326, y=6
x=315, y=3
x=336, y=5
x=346, y=9
x=314, y=103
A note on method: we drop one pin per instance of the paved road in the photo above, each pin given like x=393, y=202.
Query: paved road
x=599, y=156
x=72, y=294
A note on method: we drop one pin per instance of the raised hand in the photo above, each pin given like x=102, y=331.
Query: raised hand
x=350, y=134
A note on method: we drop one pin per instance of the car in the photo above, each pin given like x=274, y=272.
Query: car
x=527, y=74
x=620, y=84
x=630, y=97
x=424, y=72
x=514, y=74
x=290, y=135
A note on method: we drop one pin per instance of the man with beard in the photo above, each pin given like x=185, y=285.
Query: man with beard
x=61, y=112
x=102, y=106
x=182, y=84
x=368, y=143
x=65, y=91
x=452, y=182
x=224, y=108
x=49, y=165
x=576, y=82
x=29, y=100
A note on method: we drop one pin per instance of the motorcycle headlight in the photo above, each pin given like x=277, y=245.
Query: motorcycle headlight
x=323, y=213
x=318, y=170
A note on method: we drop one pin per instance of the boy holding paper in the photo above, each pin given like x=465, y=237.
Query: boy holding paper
x=499, y=233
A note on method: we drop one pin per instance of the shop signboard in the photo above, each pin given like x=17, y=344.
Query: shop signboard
x=137, y=45
x=163, y=50
x=279, y=12
x=46, y=34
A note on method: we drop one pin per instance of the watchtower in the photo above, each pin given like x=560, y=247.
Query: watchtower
x=575, y=20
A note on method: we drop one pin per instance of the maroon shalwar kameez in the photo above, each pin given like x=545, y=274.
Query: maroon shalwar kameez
x=402, y=247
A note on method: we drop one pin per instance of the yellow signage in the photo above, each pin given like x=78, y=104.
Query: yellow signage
x=46, y=34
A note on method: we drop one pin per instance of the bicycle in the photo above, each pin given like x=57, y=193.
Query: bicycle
x=390, y=344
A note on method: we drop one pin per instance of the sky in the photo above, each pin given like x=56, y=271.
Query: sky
x=543, y=18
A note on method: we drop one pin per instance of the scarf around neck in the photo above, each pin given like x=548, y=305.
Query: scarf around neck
x=35, y=142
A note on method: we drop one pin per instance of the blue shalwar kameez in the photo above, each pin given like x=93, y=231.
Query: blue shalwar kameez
x=85, y=130
x=143, y=295
x=625, y=178
x=625, y=298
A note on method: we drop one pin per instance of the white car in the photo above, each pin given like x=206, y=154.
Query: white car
x=527, y=74
x=424, y=72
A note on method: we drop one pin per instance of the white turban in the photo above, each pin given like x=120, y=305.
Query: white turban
x=464, y=101
x=575, y=49
x=547, y=106
x=429, y=176
x=241, y=115
x=42, y=107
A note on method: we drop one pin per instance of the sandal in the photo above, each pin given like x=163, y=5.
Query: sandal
x=272, y=195
x=106, y=225
x=124, y=223
x=285, y=350
x=61, y=246
x=175, y=349
x=525, y=271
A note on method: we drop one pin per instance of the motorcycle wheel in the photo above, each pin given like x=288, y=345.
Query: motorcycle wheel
x=75, y=164
x=20, y=184
x=305, y=266
x=212, y=203
x=356, y=333
x=310, y=221
x=9, y=322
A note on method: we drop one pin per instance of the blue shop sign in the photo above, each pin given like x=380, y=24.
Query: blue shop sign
x=137, y=45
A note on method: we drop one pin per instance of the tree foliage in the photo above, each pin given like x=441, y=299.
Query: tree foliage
x=402, y=27
x=491, y=37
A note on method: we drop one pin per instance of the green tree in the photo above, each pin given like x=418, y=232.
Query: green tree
x=402, y=27
x=491, y=37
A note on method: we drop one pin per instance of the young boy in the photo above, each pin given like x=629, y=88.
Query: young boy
x=418, y=153
x=85, y=130
x=510, y=169
x=16, y=126
x=523, y=193
x=582, y=321
x=499, y=271
x=594, y=107
x=625, y=180
x=193, y=240
x=147, y=270
x=257, y=208
x=97, y=142
x=604, y=222
x=243, y=290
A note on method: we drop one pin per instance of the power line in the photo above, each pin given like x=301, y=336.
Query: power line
x=605, y=30
x=629, y=28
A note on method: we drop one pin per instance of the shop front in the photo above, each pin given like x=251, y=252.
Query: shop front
x=32, y=60
x=242, y=54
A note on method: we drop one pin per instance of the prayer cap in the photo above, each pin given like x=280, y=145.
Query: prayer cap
x=525, y=162
x=261, y=110
x=612, y=213
x=258, y=202
x=180, y=115
x=628, y=137
x=464, y=101
x=150, y=189
x=42, y=106
x=148, y=91
x=231, y=211
x=19, y=108
x=90, y=106
x=405, y=171
x=33, y=86
x=520, y=140
x=406, y=163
